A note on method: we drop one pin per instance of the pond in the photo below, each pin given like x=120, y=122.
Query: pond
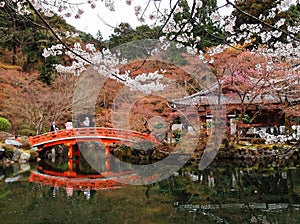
x=226, y=192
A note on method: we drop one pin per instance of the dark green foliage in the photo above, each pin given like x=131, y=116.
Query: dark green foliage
x=177, y=135
x=98, y=41
x=254, y=8
x=47, y=69
x=9, y=151
x=245, y=118
x=133, y=44
x=124, y=33
x=33, y=155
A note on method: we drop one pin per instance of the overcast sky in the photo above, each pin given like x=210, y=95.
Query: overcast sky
x=95, y=19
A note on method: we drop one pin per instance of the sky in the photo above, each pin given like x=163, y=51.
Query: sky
x=90, y=21
x=97, y=19
x=104, y=20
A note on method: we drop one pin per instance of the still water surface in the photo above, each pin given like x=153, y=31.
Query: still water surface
x=225, y=192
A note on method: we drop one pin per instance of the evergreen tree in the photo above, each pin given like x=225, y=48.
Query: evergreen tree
x=100, y=43
x=47, y=69
x=123, y=33
x=127, y=40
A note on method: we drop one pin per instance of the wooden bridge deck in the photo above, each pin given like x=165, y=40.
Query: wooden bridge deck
x=100, y=134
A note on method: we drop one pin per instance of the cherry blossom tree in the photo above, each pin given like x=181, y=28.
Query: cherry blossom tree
x=267, y=27
x=248, y=79
x=273, y=37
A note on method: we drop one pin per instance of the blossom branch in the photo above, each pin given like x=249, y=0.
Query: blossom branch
x=262, y=22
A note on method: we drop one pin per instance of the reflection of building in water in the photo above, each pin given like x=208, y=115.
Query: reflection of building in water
x=222, y=193
x=231, y=181
x=53, y=190
x=211, y=180
x=87, y=193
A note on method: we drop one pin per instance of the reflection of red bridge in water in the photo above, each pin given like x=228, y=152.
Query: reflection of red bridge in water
x=69, y=138
x=102, y=181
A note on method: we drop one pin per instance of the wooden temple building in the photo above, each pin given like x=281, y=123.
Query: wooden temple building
x=265, y=112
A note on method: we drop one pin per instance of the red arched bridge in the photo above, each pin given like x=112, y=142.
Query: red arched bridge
x=103, y=135
x=69, y=138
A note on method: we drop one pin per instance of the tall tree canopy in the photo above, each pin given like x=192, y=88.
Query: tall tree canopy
x=251, y=12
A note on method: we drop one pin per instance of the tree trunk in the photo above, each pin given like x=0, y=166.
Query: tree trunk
x=14, y=55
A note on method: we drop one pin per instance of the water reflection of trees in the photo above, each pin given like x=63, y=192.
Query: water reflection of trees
x=231, y=183
x=228, y=192
x=235, y=192
x=222, y=193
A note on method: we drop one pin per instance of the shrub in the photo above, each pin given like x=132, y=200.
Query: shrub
x=9, y=151
x=26, y=132
x=26, y=145
x=33, y=155
x=4, y=124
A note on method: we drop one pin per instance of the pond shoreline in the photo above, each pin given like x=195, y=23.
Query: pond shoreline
x=258, y=152
x=151, y=153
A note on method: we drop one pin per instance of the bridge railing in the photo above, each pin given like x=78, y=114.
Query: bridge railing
x=97, y=132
